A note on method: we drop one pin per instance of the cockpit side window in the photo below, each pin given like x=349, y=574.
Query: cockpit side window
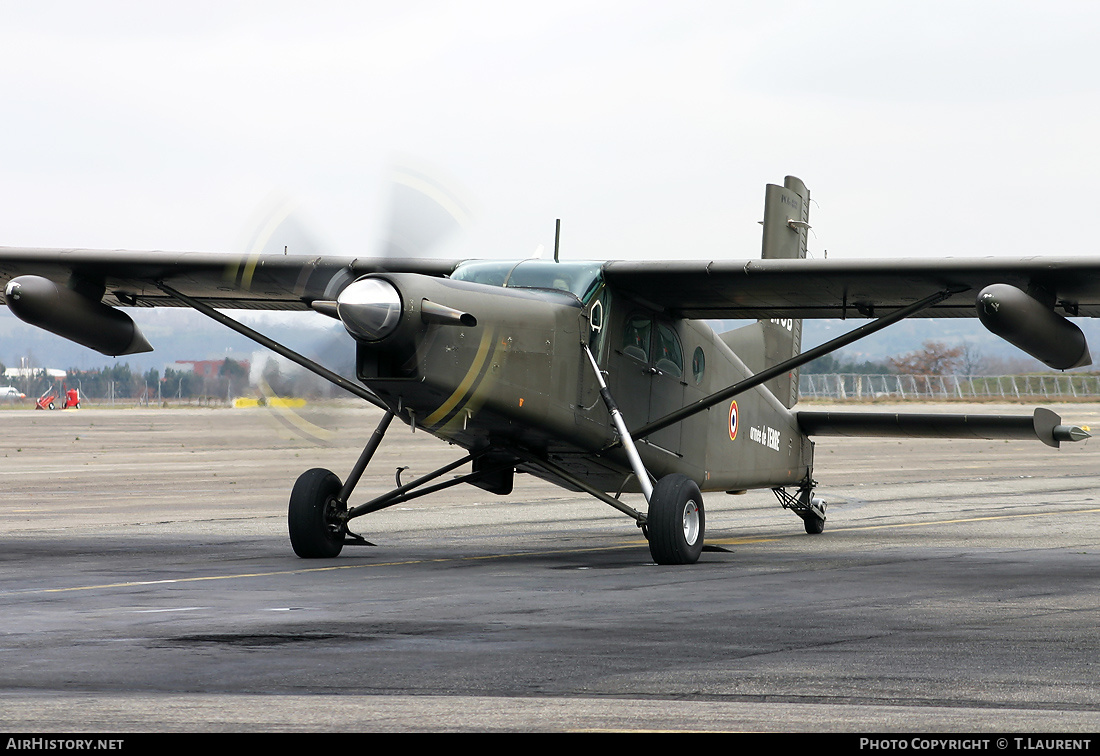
x=636, y=337
x=668, y=356
x=698, y=364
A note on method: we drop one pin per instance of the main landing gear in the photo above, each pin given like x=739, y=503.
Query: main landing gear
x=318, y=514
x=317, y=517
x=676, y=521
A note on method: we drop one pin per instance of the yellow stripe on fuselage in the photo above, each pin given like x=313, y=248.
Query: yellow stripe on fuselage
x=463, y=389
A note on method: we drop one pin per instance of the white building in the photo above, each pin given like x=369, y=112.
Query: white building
x=34, y=373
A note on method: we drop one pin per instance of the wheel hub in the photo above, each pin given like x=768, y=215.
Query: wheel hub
x=334, y=517
x=691, y=522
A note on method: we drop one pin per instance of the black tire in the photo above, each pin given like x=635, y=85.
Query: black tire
x=676, y=521
x=51, y=405
x=814, y=524
x=314, y=531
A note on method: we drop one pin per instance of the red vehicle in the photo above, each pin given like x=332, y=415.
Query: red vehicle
x=49, y=399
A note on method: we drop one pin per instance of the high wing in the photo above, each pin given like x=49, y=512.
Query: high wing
x=851, y=288
x=1023, y=300
x=260, y=282
x=694, y=289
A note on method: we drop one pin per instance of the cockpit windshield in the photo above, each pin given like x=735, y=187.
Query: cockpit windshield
x=581, y=279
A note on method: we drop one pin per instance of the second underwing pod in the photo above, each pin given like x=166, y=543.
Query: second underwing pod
x=71, y=315
x=1027, y=323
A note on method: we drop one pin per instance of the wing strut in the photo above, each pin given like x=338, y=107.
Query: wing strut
x=405, y=492
x=274, y=346
x=581, y=484
x=797, y=361
x=624, y=435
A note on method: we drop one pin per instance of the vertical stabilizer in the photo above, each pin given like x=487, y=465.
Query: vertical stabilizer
x=786, y=227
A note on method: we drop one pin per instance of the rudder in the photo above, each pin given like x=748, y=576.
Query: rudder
x=786, y=227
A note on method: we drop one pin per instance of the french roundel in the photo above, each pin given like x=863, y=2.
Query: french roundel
x=733, y=421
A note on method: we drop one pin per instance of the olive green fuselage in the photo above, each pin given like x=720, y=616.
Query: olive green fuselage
x=520, y=379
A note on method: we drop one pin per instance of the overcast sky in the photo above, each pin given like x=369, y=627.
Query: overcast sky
x=649, y=128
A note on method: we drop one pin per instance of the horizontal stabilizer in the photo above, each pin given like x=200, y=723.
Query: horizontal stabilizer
x=1044, y=425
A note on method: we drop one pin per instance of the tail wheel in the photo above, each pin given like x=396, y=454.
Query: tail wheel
x=317, y=528
x=815, y=517
x=814, y=524
x=676, y=521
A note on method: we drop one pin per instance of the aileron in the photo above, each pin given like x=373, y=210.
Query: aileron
x=847, y=288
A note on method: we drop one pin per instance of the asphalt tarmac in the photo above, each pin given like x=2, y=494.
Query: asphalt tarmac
x=147, y=585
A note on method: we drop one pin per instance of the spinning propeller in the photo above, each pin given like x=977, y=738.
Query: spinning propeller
x=423, y=214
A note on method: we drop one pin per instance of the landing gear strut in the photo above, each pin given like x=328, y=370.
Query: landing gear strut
x=318, y=513
x=675, y=523
x=804, y=504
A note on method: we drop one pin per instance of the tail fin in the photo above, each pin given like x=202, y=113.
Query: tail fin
x=786, y=226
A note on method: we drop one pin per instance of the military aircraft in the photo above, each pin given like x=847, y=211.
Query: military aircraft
x=601, y=377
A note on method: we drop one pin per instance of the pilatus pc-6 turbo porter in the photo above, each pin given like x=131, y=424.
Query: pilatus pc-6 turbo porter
x=598, y=376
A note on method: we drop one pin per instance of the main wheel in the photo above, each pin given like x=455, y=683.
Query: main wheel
x=316, y=529
x=676, y=521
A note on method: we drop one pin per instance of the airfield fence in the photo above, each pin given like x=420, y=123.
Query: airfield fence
x=859, y=387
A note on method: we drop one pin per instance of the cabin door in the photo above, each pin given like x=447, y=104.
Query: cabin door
x=646, y=373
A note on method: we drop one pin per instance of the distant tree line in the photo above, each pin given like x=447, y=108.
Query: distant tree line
x=232, y=378
x=120, y=381
x=831, y=363
x=933, y=358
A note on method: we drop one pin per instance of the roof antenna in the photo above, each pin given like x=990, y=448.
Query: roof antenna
x=557, y=237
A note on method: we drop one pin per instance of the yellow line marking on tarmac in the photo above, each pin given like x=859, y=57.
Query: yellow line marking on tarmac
x=970, y=519
x=741, y=541
x=853, y=528
x=485, y=557
x=307, y=570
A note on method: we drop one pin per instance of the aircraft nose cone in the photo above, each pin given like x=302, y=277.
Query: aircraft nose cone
x=369, y=308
